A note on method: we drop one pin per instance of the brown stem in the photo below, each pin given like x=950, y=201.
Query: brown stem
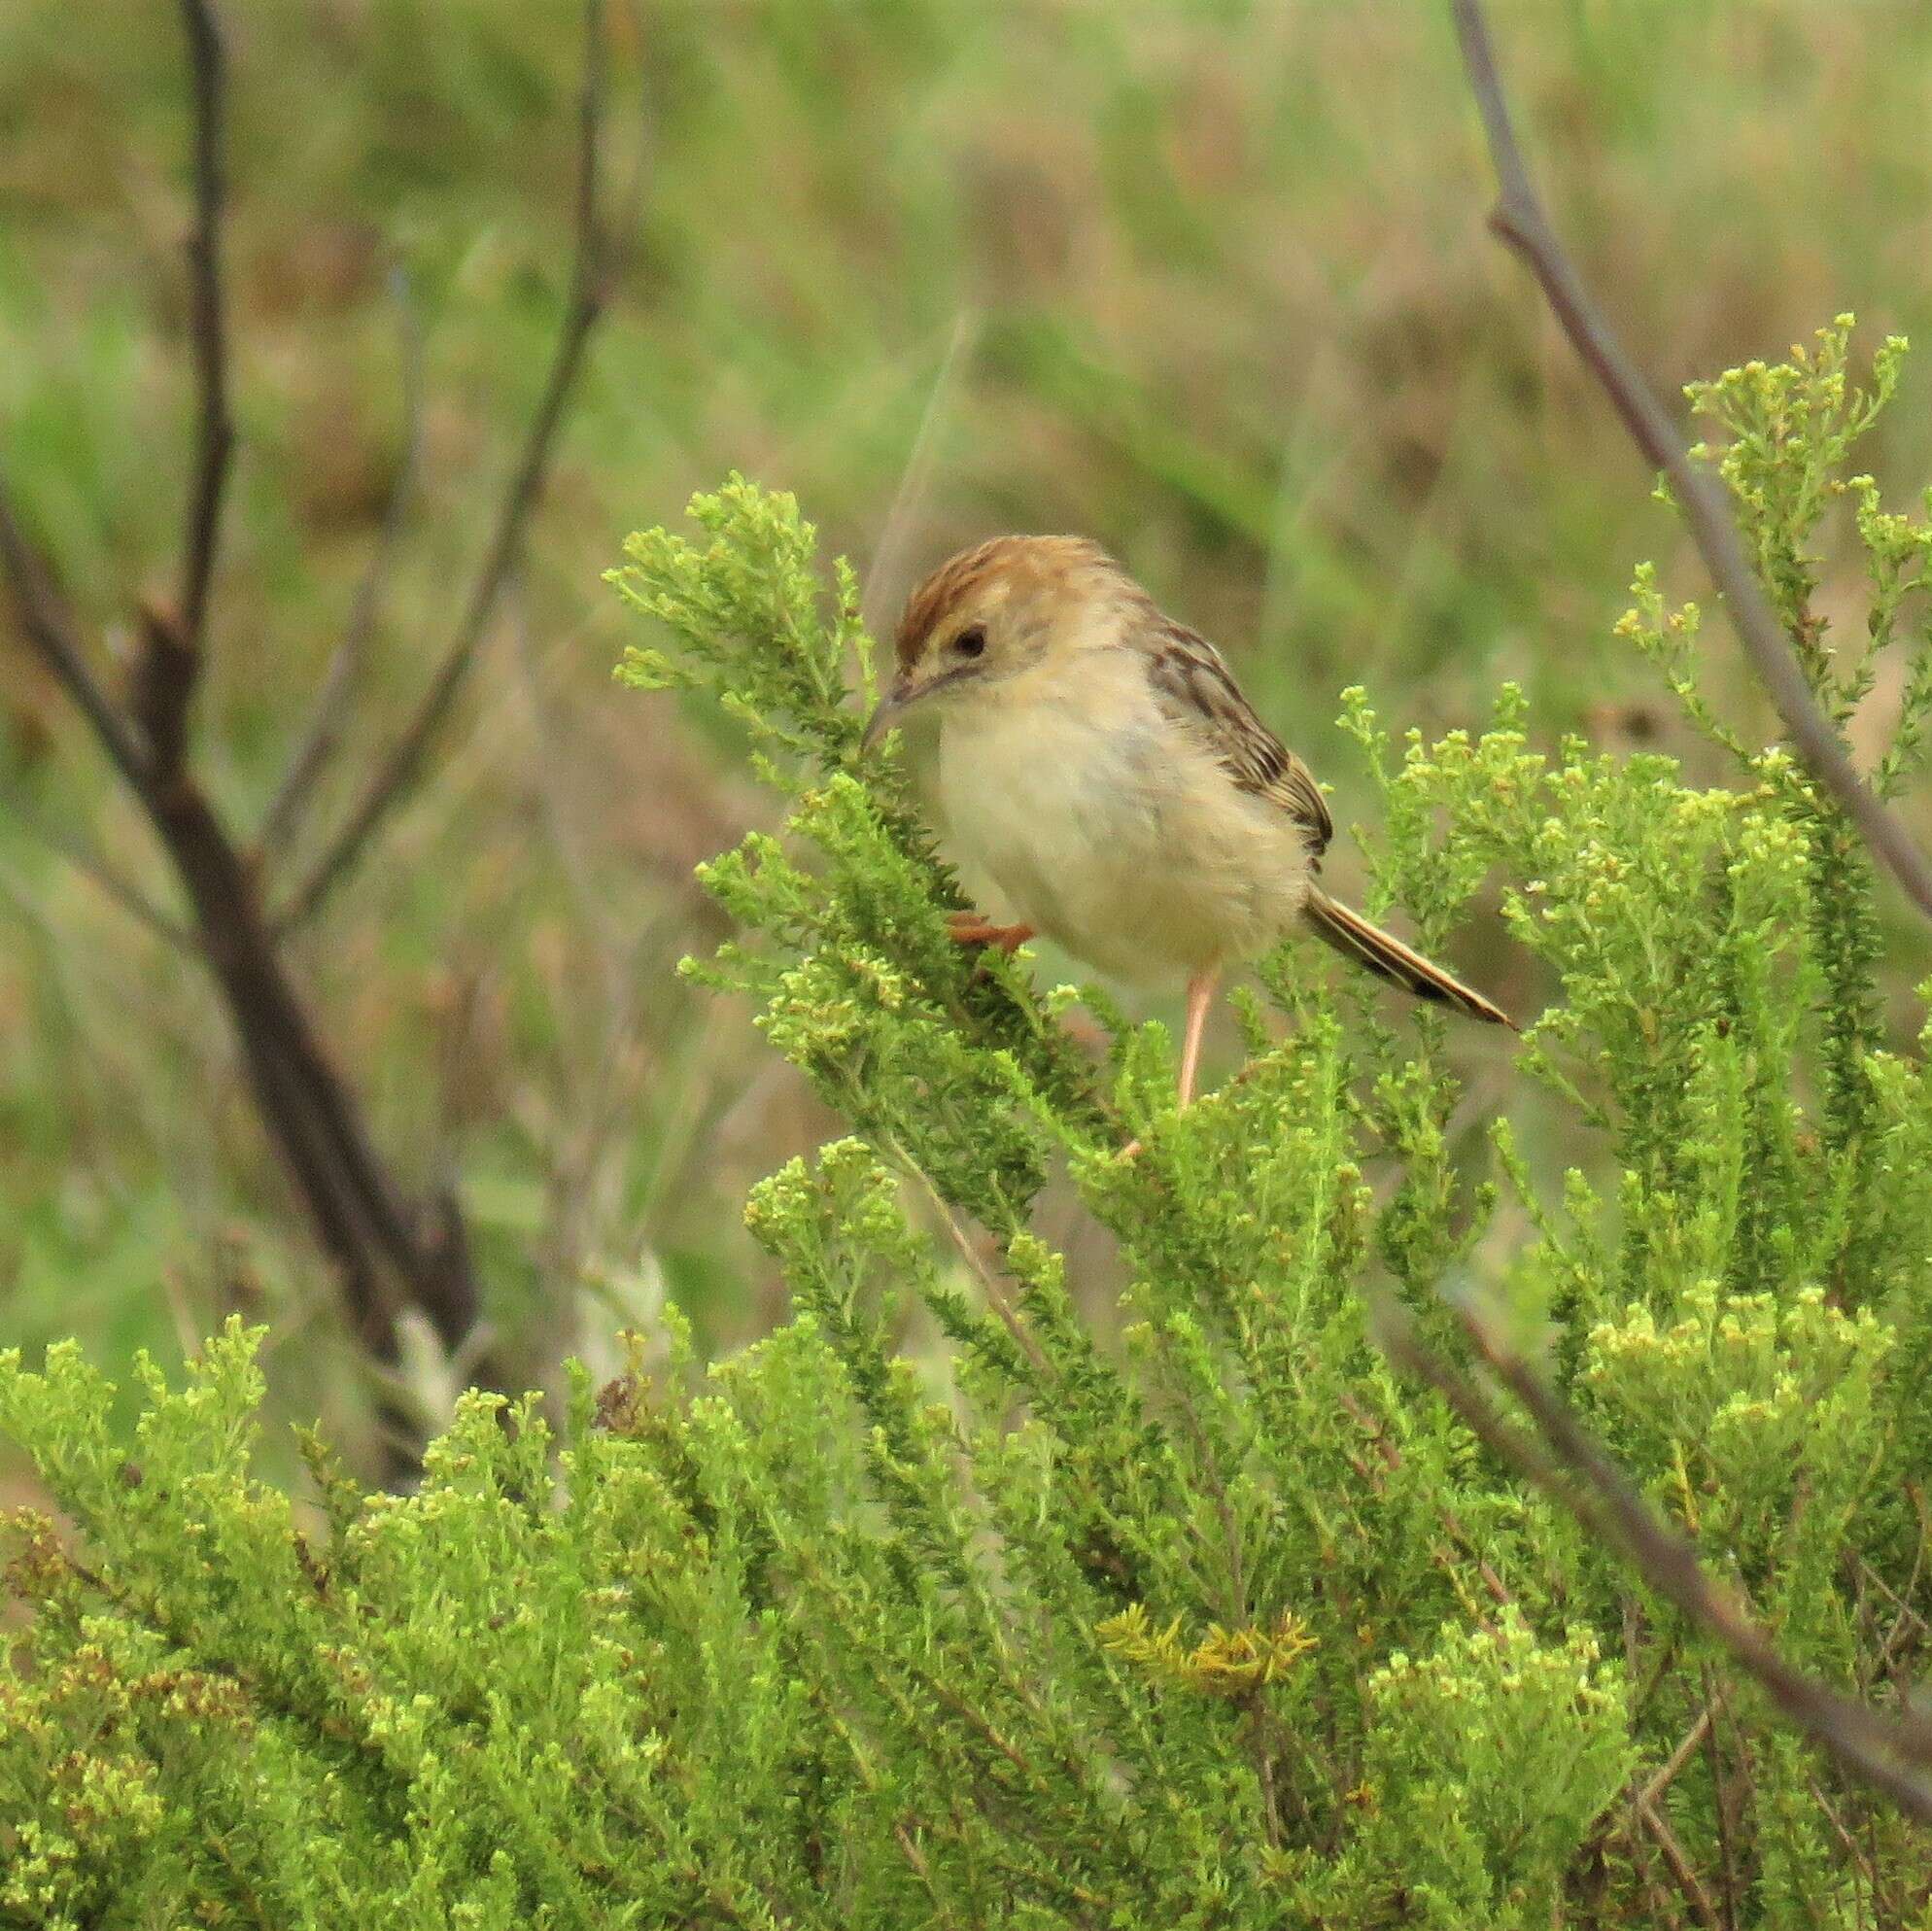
x=387, y=1256
x=1720, y=1800
x=380, y=1247
x=1519, y=220
x=1576, y=1470
x=399, y=772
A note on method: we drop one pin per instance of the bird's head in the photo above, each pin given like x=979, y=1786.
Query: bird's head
x=994, y=615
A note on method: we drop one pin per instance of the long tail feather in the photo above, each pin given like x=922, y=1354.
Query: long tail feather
x=1384, y=955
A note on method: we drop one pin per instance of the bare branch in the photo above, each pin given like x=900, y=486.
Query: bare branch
x=95, y=869
x=345, y=666
x=590, y=279
x=1519, y=220
x=207, y=320
x=49, y=626
x=1872, y=1746
x=387, y=1250
x=391, y=1252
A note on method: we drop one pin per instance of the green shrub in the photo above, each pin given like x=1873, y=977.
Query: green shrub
x=958, y=1602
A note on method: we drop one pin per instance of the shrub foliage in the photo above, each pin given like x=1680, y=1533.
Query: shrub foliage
x=960, y=1601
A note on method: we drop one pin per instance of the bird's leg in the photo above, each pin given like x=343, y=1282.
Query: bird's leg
x=1201, y=996
x=975, y=928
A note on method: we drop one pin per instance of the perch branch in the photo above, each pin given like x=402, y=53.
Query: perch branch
x=1576, y=1470
x=207, y=320
x=1519, y=220
x=590, y=279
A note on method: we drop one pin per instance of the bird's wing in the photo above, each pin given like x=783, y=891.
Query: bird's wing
x=1198, y=691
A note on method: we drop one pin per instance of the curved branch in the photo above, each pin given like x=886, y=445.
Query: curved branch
x=1519, y=220
x=590, y=275
x=1873, y=1747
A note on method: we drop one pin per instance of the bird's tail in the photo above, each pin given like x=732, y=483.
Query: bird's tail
x=1352, y=935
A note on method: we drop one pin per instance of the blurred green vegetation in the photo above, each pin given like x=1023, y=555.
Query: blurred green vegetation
x=1207, y=281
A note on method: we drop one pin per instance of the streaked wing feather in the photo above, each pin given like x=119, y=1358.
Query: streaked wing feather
x=1189, y=676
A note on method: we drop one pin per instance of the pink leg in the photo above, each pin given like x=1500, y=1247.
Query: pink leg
x=1201, y=996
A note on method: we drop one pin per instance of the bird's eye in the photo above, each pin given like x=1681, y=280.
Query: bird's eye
x=971, y=644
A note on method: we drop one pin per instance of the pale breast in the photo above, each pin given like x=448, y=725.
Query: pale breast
x=1109, y=832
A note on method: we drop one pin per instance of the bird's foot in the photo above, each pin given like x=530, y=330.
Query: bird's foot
x=975, y=928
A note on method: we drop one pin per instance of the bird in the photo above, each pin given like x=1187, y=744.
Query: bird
x=1097, y=761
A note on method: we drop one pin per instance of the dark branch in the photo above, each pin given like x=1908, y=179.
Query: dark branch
x=207, y=320
x=345, y=666
x=162, y=688
x=590, y=279
x=1584, y=1479
x=1518, y=217
x=389, y=1252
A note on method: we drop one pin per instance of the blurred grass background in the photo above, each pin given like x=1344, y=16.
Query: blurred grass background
x=1208, y=281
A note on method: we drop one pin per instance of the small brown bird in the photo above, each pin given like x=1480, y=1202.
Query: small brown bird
x=1098, y=762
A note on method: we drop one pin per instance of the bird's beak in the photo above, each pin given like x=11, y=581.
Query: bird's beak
x=904, y=692
x=892, y=707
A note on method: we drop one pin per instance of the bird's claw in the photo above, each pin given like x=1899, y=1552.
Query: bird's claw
x=975, y=928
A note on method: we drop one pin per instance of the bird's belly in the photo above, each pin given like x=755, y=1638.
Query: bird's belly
x=1143, y=866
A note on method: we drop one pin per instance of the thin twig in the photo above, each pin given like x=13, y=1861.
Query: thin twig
x=1681, y=1873
x=1902, y=1600
x=344, y=674
x=1673, y=1766
x=1721, y=1808
x=1593, y=1488
x=1391, y=1459
x=1519, y=220
x=96, y=870
x=207, y=320
x=49, y=626
x=1844, y=1837
x=1906, y=1616
x=590, y=280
